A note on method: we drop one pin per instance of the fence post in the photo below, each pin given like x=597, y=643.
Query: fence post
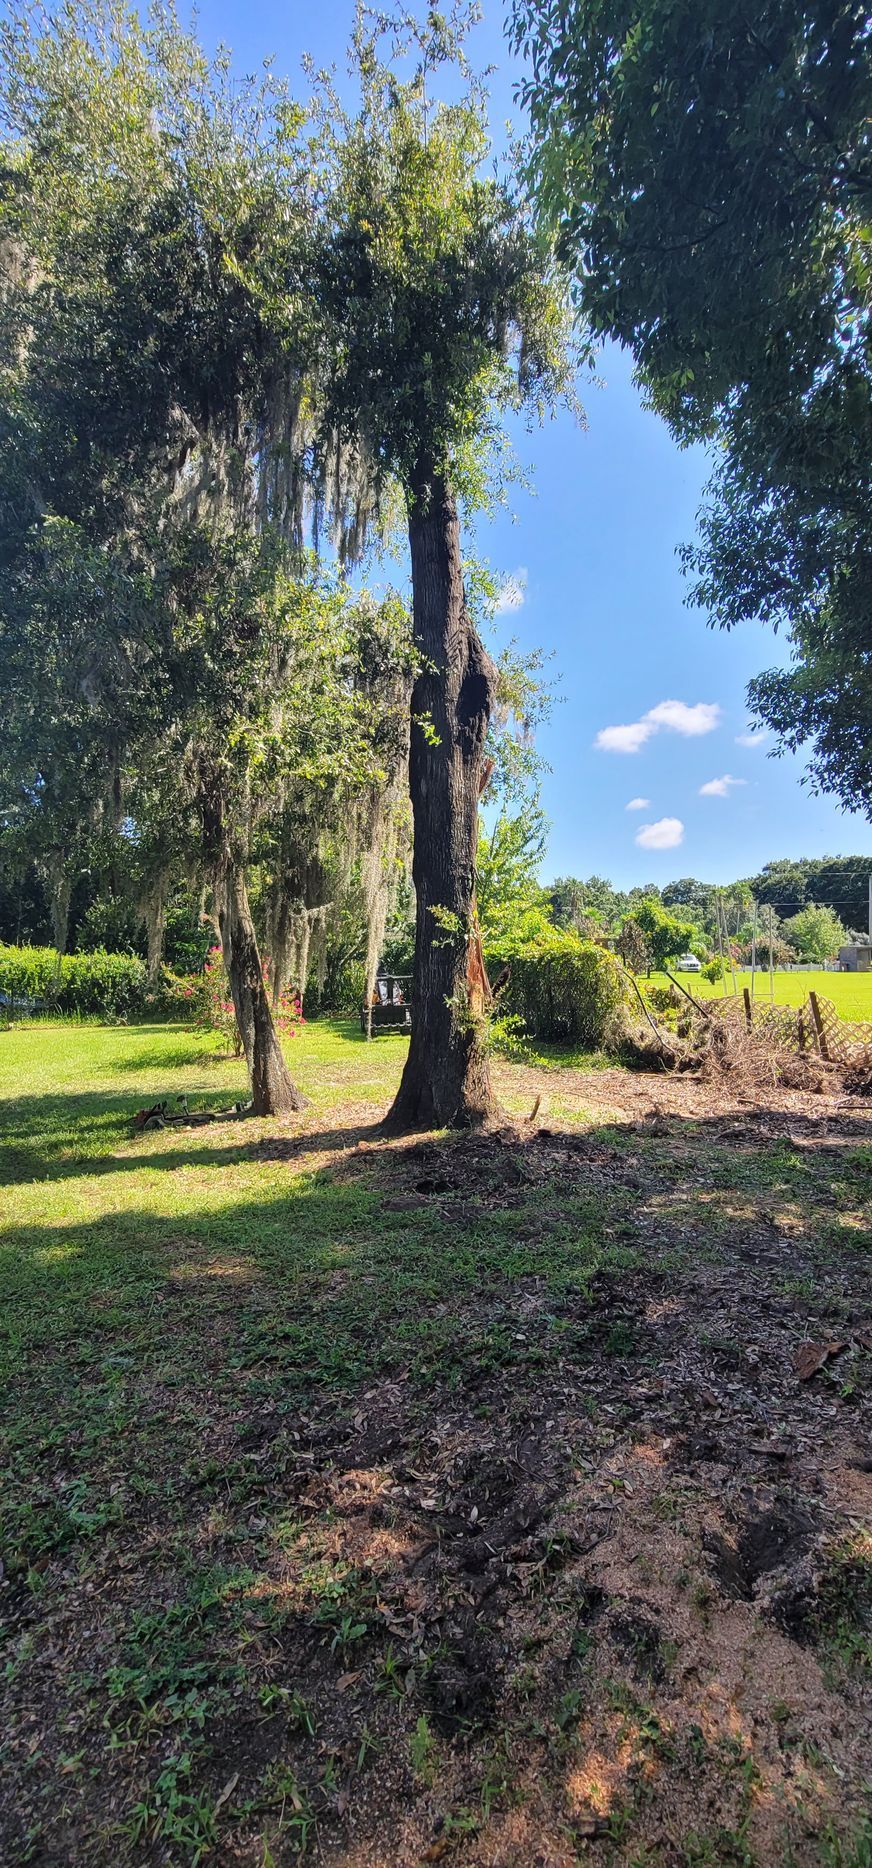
x=819, y=1026
x=749, y=1016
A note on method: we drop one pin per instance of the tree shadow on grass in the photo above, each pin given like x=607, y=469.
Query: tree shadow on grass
x=251, y=1432
x=102, y=1123
x=160, y=1059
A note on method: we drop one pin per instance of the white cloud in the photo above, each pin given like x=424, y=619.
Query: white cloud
x=720, y=787
x=513, y=592
x=673, y=716
x=666, y=834
x=755, y=736
x=679, y=718
x=623, y=738
x=637, y=804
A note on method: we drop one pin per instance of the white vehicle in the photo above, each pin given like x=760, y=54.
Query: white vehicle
x=688, y=963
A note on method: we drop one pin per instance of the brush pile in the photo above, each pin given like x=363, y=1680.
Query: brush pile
x=718, y=1038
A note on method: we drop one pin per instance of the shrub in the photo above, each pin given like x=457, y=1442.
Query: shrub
x=110, y=925
x=181, y=996
x=217, y=1011
x=563, y=989
x=662, y=999
x=344, y=990
x=99, y=984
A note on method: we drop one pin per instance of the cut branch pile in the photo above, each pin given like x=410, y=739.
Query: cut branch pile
x=809, y=1047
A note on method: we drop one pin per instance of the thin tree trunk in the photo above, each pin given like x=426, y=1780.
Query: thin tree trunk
x=446, y=1080
x=154, y=914
x=60, y=896
x=273, y=1091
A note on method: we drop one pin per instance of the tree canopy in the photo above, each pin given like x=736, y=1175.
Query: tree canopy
x=816, y=932
x=709, y=178
x=229, y=318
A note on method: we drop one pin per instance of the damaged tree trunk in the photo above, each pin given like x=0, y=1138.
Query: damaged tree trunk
x=446, y=1080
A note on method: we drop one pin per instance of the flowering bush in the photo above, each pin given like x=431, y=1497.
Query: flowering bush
x=179, y=996
x=218, y=1013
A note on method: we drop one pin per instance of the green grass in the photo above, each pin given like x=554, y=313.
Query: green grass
x=118, y=1250
x=94, y=1210
x=196, y=1324
x=160, y=1293
x=850, y=993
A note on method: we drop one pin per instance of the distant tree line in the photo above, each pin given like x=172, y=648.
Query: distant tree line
x=514, y=906
x=815, y=903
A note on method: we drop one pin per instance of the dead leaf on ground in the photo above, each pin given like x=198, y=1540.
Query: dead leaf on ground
x=810, y=1357
x=228, y=1790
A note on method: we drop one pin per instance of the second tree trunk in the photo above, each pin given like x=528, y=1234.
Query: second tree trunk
x=273, y=1091
x=446, y=1080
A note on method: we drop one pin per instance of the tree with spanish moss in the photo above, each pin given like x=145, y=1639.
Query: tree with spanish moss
x=442, y=310
x=164, y=631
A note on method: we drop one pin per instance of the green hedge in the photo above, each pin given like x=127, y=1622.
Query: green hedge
x=565, y=990
x=99, y=984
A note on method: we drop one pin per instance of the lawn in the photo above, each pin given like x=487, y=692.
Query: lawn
x=436, y=1500
x=850, y=993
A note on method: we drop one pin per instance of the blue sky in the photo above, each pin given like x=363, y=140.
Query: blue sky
x=595, y=551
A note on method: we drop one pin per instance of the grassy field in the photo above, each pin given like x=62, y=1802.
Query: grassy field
x=381, y=1503
x=850, y=993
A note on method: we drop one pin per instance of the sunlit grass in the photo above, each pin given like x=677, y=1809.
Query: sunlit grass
x=850, y=993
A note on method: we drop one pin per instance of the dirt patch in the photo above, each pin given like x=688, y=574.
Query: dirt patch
x=773, y=1539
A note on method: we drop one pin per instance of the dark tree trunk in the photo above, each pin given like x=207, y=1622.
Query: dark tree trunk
x=446, y=1080
x=273, y=1091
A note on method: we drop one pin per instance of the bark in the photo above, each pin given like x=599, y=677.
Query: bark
x=273, y=1091
x=154, y=914
x=446, y=1080
x=60, y=891
x=60, y=896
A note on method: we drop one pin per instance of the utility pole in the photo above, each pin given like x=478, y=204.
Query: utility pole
x=721, y=944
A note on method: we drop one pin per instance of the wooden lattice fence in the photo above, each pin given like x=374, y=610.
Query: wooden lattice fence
x=815, y=1027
